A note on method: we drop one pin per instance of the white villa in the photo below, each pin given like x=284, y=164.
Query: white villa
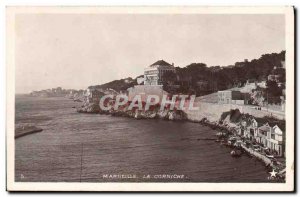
x=153, y=74
x=270, y=137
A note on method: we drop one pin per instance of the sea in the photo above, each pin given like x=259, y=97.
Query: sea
x=77, y=147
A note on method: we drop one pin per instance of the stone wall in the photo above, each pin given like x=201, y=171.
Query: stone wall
x=145, y=90
x=213, y=111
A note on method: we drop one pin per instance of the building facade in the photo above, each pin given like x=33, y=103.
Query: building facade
x=273, y=77
x=251, y=128
x=232, y=97
x=271, y=138
x=154, y=74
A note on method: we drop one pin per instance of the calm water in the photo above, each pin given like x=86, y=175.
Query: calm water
x=84, y=147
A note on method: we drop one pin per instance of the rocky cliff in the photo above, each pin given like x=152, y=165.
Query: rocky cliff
x=135, y=113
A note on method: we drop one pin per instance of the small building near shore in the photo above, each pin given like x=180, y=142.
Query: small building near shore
x=233, y=97
x=271, y=138
x=252, y=129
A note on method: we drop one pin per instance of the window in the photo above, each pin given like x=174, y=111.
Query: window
x=273, y=136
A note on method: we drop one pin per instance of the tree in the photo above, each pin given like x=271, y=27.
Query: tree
x=170, y=77
x=273, y=92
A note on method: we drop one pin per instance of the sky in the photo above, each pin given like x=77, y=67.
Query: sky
x=79, y=50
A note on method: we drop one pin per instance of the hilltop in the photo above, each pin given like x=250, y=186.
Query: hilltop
x=117, y=85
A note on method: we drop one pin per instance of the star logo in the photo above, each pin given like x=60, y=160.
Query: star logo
x=273, y=173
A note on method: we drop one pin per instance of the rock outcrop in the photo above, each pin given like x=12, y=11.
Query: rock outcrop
x=137, y=114
x=89, y=108
x=26, y=130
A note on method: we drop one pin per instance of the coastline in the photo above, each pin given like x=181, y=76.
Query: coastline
x=207, y=117
x=26, y=130
x=198, y=138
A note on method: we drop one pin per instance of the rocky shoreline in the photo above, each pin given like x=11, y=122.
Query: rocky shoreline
x=26, y=130
x=156, y=113
x=225, y=132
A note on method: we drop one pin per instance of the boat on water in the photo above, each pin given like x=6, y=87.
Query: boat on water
x=270, y=156
x=236, y=153
x=256, y=148
x=238, y=143
x=231, y=141
x=220, y=134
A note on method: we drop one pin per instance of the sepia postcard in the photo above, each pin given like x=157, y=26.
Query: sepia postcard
x=150, y=99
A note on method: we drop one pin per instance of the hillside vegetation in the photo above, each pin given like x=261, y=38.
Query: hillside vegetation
x=199, y=79
x=118, y=85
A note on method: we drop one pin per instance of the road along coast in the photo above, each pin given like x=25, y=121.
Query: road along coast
x=211, y=118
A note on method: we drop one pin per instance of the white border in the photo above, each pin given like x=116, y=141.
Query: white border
x=18, y=186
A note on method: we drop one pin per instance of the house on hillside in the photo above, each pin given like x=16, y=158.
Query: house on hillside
x=250, y=85
x=140, y=80
x=154, y=74
x=273, y=77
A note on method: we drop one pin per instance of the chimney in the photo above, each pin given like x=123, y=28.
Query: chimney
x=172, y=64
